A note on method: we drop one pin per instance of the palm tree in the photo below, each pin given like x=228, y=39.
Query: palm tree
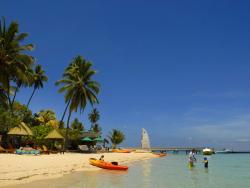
x=79, y=87
x=77, y=125
x=116, y=137
x=3, y=98
x=39, y=78
x=25, y=81
x=94, y=116
x=96, y=128
x=13, y=60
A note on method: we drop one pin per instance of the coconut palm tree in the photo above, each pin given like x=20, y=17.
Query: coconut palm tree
x=3, y=98
x=25, y=81
x=13, y=60
x=39, y=78
x=116, y=137
x=77, y=125
x=79, y=88
x=94, y=116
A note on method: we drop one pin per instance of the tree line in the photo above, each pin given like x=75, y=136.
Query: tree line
x=19, y=69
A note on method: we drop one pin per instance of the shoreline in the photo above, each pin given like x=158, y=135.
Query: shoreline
x=22, y=169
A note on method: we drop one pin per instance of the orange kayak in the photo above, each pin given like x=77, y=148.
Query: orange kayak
x=160, y=154
x=121, y=151
x=106, y=165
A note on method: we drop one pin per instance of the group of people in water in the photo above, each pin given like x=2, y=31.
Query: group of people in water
x=192, y=159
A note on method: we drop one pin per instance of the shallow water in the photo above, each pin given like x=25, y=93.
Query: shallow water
x=225, y=171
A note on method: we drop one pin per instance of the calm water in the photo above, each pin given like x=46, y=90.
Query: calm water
x=225, y=171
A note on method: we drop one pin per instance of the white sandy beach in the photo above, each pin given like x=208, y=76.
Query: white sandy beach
x=18, y=169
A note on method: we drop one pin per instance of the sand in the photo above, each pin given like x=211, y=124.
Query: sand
x=19, y=169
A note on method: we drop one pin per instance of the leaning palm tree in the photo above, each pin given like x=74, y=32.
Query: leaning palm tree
x=116, y=137
x=13, y=60
x=79, y=88
x=25, y=81
x=39, y=78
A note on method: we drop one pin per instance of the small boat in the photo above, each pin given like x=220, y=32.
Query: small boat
x=207, y=151
x=160, y=154
x=106, y=165
x=121, y=151
x=225, y=151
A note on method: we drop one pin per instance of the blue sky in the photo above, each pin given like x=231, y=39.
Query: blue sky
x=180, y=69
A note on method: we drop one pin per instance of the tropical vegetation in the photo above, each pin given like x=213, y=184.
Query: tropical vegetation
x=116, y=137
x=18, y=70
x=94, y=116
x=79, y=87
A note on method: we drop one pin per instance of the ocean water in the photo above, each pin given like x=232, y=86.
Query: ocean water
x=225, y=171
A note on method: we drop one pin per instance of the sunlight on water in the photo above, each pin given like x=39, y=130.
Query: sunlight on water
x=225, y=171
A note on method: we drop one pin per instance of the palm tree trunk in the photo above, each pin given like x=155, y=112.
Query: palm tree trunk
x=8, y=96
x=31, y=96
x=64, y=114
x=14, y=97
x=67, y=131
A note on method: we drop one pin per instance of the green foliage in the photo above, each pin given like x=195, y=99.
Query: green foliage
x=77, y=125
x=14, y=62
x=7, y=120
x=44, y=116
x=20, y=114
x=78, y=85
x=94, y=116
x=23, y=113
x=39, y=132
x=116, y=137
x=39, y=78
x=96, y=128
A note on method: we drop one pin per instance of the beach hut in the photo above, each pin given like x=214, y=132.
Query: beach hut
x=54, y=135
x=20, y=130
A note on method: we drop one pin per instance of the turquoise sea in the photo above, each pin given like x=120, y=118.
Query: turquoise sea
x=225, y=171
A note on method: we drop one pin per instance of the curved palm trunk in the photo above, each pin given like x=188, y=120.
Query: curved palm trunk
x=67, y=130
x=64, y=113
x=31, y=97
x=14, y=97
x=8, y=96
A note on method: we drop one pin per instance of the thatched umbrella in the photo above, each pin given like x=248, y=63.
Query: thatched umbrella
x=54, y=135
x=20, y=130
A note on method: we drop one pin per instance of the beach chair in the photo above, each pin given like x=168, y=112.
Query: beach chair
x=2, y=150
x=10, y=149
x=45, y=150
x=84, y=148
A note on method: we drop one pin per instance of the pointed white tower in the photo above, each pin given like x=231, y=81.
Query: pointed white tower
x=145, y=143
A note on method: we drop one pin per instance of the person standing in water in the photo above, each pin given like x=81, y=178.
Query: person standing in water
x=205, y=161
x=191, y=158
